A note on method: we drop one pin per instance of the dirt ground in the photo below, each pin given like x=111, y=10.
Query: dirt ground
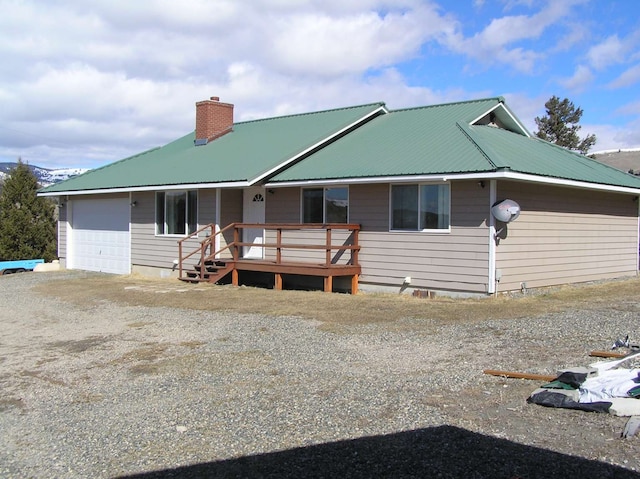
x=484, y=336
x=334, y=310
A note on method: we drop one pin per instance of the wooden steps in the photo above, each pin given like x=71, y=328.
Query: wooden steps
x=210, y=271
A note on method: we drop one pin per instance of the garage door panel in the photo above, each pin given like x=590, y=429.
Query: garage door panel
x=101, y=215
x=100, y=235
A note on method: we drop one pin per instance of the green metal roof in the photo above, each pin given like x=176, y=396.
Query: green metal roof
x=444, y=139
x=534, y=156
x=414, y=141
x=440, y=140
x=252, y=149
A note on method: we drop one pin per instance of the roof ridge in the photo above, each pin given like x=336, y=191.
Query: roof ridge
x=293, y=115
x=467, y=131
x=437, y=105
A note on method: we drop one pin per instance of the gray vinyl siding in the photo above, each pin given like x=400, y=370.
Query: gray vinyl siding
x=147, y=249
x=455, y=260
x=283, y=205
x=230, y=212
x=230, y=207
x=565, y=236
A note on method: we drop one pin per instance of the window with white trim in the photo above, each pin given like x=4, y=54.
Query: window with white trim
x=325, y=205
x=176, y=212
x=420, y=207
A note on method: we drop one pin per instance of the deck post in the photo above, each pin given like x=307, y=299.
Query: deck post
x=354, y=284
x=328, y=284
x=179, y=259
x=328, y=250
x=236, y=240
x=234, y=277
x=278, y=282
x=279, y=246
x=354, y=251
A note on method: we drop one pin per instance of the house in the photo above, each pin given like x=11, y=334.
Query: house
x=414, y=188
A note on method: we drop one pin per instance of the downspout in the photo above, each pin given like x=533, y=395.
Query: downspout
x=492, y=280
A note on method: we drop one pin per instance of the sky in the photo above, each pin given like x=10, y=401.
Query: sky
x=84, y=83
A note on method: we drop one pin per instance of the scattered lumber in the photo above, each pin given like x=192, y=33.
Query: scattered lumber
x=608, y=354
x=517, y=375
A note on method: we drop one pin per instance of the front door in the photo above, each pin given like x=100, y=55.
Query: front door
x=253, y=212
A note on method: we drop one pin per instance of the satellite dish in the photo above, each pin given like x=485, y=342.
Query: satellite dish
x=505, y=211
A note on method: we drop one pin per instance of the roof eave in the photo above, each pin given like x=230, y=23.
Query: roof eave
x=134, y=189
x=486, y=175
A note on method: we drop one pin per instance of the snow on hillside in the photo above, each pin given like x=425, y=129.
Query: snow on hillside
x=45, y=176
x=49, y=177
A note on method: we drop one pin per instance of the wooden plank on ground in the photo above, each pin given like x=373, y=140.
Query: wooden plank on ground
x=517, y=375
x=607, y=354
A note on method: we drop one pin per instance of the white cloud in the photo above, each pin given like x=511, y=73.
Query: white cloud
x=610, y=51
x=321, y=44
x=629, y=77
x=83, y=83
x=86, y=77
x=608, y=137
x=576, y=35
x=580, y=79
x=494, y=44
x=631, y=108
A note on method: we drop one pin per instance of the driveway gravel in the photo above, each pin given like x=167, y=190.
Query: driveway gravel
x=109, y=390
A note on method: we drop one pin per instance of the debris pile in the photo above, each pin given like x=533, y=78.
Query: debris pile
x=611, y=385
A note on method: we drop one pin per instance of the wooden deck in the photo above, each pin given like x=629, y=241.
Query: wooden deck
x=328, y=272
x=217, y=266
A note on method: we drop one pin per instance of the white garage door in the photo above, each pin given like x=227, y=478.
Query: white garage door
x=100, y=238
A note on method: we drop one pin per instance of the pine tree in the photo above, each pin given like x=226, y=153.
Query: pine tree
x=560, y=126
x=27, y=222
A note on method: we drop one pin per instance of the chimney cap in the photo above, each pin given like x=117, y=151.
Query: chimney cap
x=215, y=98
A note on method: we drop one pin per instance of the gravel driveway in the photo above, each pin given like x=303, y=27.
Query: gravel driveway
x=114, y=390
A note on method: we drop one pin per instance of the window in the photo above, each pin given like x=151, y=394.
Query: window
x=176, y=212
x=420, y=207
x=325, y=205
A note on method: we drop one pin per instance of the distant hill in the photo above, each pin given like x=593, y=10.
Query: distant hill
x=625, y=160
x=45, y=176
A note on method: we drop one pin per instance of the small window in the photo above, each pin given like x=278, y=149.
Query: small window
x=325, y=205
x=420, y=207
x=176, y=212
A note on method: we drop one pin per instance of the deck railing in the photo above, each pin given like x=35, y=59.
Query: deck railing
x=206, y=249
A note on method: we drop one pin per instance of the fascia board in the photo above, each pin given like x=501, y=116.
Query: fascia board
x=515, y=120
x=498, y=175
x=563, y=182
x=284, y=164
x=190, y=186
x=482, y=115
x=356, y=181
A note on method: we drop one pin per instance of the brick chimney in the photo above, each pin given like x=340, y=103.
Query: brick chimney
x=213, y=119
